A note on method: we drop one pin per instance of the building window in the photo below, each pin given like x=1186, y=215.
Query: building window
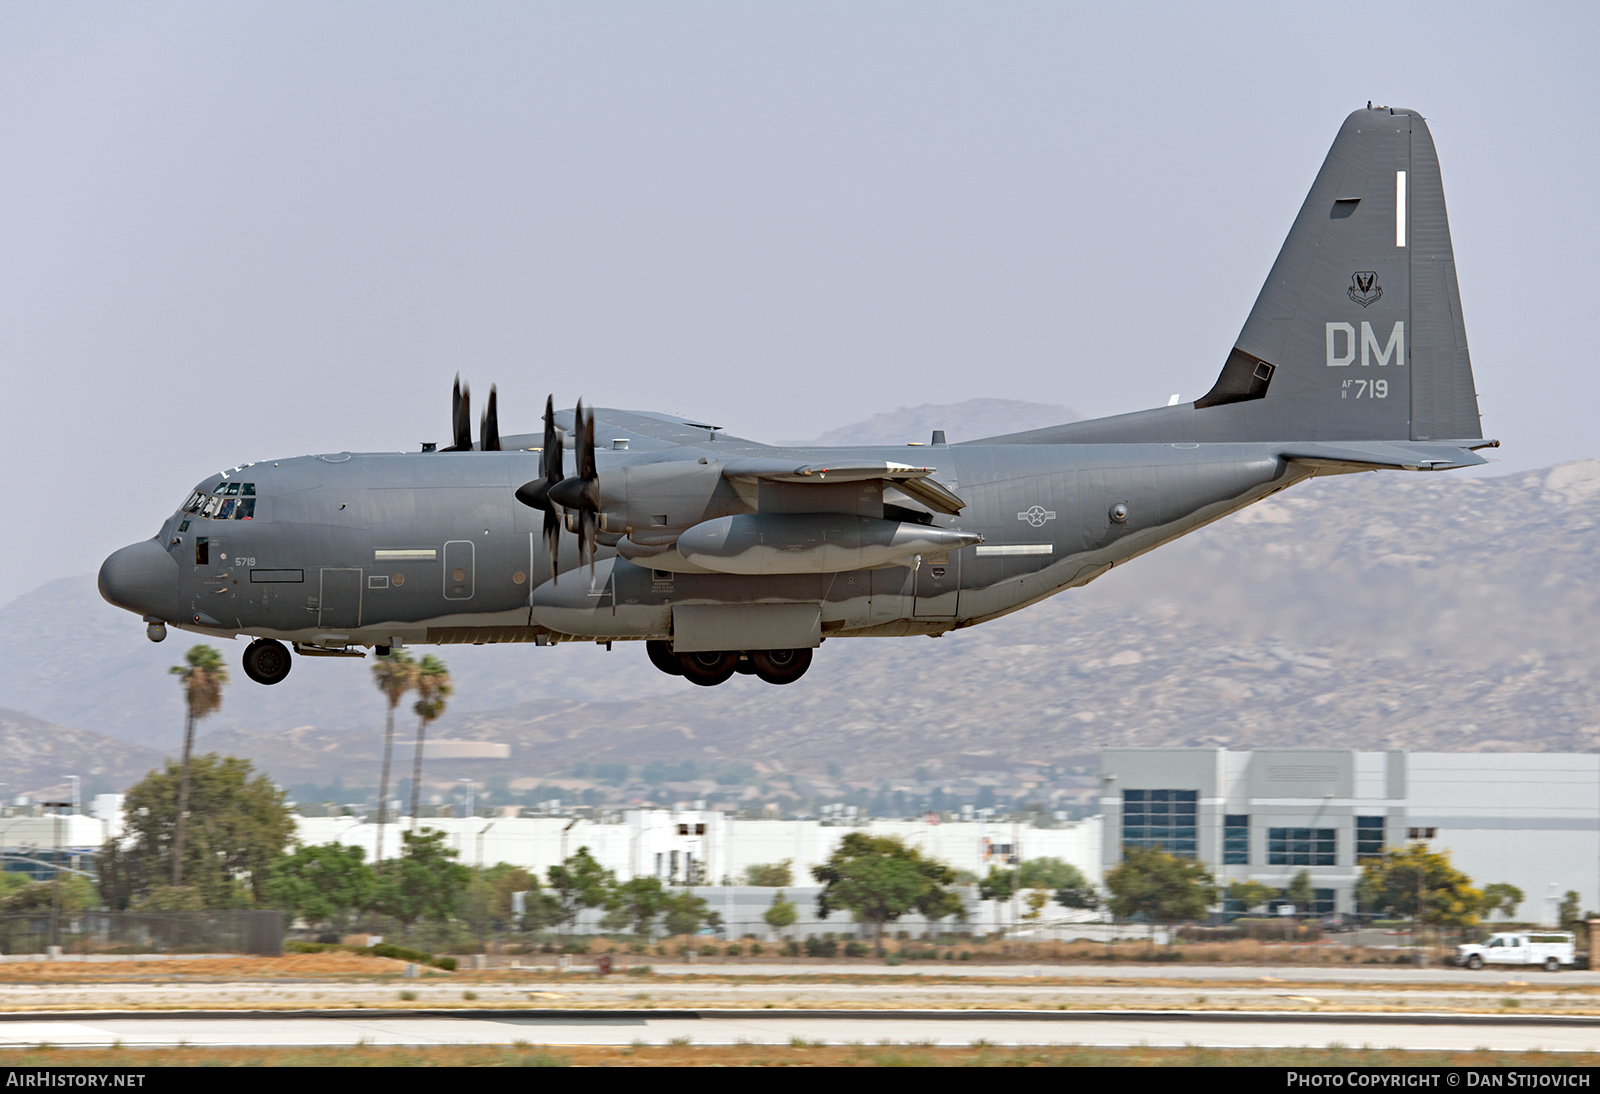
x=1369, y=838
x=1235, y=840
x=1300, y=847
x=1160, y=818
x=1321, y=902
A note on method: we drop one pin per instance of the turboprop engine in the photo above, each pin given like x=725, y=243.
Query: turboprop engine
x=812, y=543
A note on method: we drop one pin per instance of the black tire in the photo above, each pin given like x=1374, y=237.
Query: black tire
x=745, y=667
x=780, y=666
x=1475, y=962
x=1551, y=964
x=266, y=661
x=709, y=667
x=662, y=657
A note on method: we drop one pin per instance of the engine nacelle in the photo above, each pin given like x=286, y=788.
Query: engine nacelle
x=813, y=543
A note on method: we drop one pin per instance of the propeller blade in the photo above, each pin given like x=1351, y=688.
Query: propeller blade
x=460, y=425
x=552, y=540
x=489, y=428
x=464, y=422
x=550, y=455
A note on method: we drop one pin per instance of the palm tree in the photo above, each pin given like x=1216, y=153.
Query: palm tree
x=395, y=674
x=202, y=679
x=433, y=687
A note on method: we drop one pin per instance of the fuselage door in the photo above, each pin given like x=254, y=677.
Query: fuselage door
x=458, y=569
x=938, y=585
x=340, y=602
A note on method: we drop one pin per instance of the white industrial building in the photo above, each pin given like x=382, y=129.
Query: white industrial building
x=1528, y=818
x=706, y=845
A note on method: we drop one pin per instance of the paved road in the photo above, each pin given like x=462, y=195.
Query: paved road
x=1039, y=1028
x=1385, y=974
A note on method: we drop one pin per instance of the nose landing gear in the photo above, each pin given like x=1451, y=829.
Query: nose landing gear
x=266, y=661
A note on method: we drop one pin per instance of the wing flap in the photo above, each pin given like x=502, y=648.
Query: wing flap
x=915, y=482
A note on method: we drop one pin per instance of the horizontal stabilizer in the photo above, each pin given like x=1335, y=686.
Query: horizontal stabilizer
x=1397, y=455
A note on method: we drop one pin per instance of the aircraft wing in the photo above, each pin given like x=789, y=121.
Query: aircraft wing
x=914, y=482
x=1395, y=455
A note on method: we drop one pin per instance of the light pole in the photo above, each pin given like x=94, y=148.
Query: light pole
x=55, y=880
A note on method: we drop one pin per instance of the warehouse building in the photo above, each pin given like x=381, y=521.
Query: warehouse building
x=1530, y=819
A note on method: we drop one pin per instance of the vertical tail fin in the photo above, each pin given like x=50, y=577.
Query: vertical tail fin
x=1357, y=333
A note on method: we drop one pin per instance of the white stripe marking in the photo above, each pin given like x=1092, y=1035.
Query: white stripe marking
x=1399, y=208
x=1016, y=549
x=425, y=555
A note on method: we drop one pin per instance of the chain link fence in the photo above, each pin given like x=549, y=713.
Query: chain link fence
x=254, y=932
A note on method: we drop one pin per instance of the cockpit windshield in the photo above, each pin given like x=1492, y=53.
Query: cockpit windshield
x=230, y=501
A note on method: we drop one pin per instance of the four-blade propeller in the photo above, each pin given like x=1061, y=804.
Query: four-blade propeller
x=574, y=501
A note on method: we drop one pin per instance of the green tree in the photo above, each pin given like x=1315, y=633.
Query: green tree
x=578, y=883
x=684, y=913
x=1300, y=892
x=775, y=875
x=425, y=883
x=1393, y=882
x=781, y=914
x=878, y=879
x=636, y=904
x=432, y=685
x=1162, y=887
x=202, y=678
x=999, y=884
x=239, y=827
x=1569, y=915
x=34, y=897
x=395, y=675
x=325, y=884
x=1500, y=898
x=1049, y=873
x=1252, y=894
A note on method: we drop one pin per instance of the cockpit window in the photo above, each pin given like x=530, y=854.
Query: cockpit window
x=232, y=501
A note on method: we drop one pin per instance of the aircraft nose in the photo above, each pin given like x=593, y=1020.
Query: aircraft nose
x=142, y=578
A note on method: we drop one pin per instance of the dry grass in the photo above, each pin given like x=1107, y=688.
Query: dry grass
x=778, y=1056
x=342, y=965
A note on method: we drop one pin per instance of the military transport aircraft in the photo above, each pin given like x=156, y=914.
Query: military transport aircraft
x=724, y=555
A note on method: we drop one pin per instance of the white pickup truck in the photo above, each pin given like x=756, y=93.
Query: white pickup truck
x=1552, y=949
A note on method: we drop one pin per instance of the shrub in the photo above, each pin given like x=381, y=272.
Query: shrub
x=821, y=947
x=856, y=949
x=734, y=949
x=755, y=949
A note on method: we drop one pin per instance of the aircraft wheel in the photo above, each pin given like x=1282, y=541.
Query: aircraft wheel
x=1474, y=962
x=662, y=657
x=780, y=666
x=708, y=668
x=266, y=661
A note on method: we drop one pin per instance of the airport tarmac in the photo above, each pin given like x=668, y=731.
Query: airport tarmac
x=1443, y=1033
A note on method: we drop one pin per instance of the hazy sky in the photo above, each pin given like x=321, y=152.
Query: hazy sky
x=238, y=231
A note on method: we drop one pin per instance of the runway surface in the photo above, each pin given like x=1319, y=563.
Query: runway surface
x=1439, y=1032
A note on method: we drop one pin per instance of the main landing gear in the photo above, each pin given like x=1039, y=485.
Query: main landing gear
x=712, y=667
x=266, y=661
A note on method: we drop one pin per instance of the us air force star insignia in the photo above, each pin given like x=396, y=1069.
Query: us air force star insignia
x=1036, y=516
